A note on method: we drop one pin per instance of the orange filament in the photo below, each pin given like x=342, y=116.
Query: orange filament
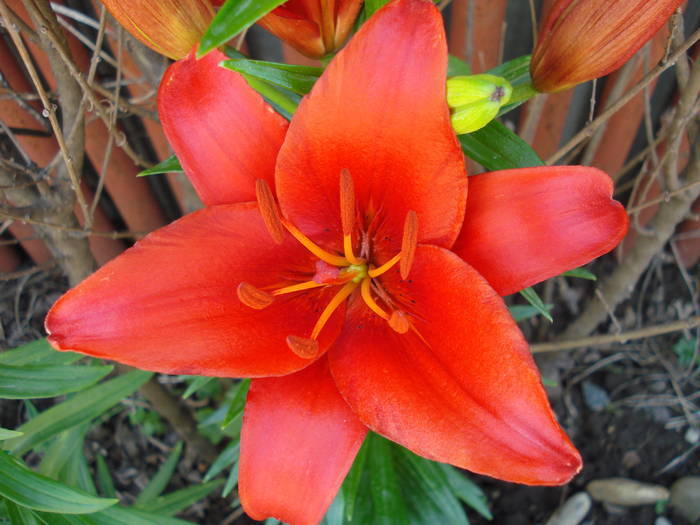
x=337, y=300
x=376, y=272
x=366, y=293
x=302, y=346
x=408, y=243
x=399, y=321
x=335, y=260
x=297, y=287
x=253, y=297
x=269, y=211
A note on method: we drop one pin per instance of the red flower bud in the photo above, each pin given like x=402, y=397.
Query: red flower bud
x=315, y=28
x=585, y=39
x=171, y=27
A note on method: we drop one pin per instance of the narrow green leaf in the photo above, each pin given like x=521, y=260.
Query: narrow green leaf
x=466, y=490
x=81, y=408
x=104, y=477
x=298, y=79
x=118, y=515
x=457, y=66
x=226, y=459
x=351, y=485
x=535, y=300
x=28, y=489
x=157, y=485
x=37, y=352
x=521, y=312
x=61, y=450
x=371, y=6
x=231, y=481
x=169, y=165
x=237, y=403
x=8, y=434
x=65, y=519
x=179, y=500
x=516, y=71
x=30, y=382
x=21, y=515
x=196, y=384
x=496, y=147
x=283, y=100
x=335, y=513
x=233, y=17
x=389, y=506
x=581, y=273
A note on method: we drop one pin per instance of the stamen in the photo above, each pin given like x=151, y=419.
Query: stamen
x=269, y=211
x=335, y=260
x=408, y=243
x=297, y=287
x=376, y=272
x=253, y=297
x=337, y=300
x=347, y=214
x=369, y=301
x=399, y=321
x=303, y=347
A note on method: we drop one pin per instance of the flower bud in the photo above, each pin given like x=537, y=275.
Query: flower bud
x=585, y=39
x=171, y=27
x=315, y=28
x=475, y=100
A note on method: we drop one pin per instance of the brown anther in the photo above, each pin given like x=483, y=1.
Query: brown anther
x=253, y=297
x=408, y=243
x=347, y=202
x=269, y=211
x=399, y=321
x=303, y=347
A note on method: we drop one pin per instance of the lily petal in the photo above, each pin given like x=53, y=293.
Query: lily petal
x=462, y=388
x=225, y=135
x=169, y=304
x=298, y=442
x=526, y=225
x=379, y=111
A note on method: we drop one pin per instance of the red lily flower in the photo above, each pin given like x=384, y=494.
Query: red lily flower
x=335, y=264
x=315, y=28
x=171, y=27
x=585, y=39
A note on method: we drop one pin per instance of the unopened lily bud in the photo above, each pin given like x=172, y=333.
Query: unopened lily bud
x=585, y=39
x=475, y=100
x=170, y=27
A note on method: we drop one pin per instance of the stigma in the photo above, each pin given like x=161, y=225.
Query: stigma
x=348, y=272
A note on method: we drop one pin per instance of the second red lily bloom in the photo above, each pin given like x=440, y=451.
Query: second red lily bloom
x=341, y=257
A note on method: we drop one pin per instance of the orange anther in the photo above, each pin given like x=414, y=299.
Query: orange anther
x=347, y=202
x=399, y=321
x=269, y=211
x=253, y=297
x=408, y=243
x=302, y=346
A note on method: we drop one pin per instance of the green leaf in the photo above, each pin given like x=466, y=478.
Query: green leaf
x=179, y=500
x=65, y=519
x=466, y=490
x=371, y=6
x=521, y=312
x=125, y=516
x=28, y=489
x=157, y=485
x=233, y=17
x=197, y=383
x=283, y=100
x=457, y=66
x=61, y=450
x=30, y=382
x=496, y=147
x=8, y=434
x=237, y=402
x=581, y=273
x=227, y=458
x=388, y=504
x=21, y=515
x=81, y=408
x=297, y=79
x=169, y=165
x=104, y=477
x=517, y=72
x=535, y=300
x=231, y=481
x=351, y=485
x=37, y=352
x=335, y=513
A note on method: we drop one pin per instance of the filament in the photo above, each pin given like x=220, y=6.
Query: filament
x=337, y=300
x=369, y=301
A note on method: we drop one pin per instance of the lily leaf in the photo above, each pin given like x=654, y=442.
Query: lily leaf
x=118, y=515
x=169, y=165
x=496, y=147
x=536, y=301
x=297, y=79
x=37, y=352
x=158, y=483
x=34, y=491
x=389, y=506
x=8, y=434
x=30, y=382
x=197, y=383
x=581, y=273
x=179, y=500
x=521, y=312
x=233, y=17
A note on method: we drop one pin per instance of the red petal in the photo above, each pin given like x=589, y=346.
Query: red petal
x=169, y=304
x=223, y=132
x=379, y=110
x=298, y=442
x=468, y=392
x=527, y=225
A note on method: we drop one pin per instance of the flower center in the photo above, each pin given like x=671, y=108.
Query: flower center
x=347, y=271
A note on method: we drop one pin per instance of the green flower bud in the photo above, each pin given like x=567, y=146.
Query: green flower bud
x=476, y=100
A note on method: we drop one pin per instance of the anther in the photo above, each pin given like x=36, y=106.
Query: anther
x=269, y=211
x=347, y=214
x=399, y=321
x=253, y=297
x=303, y=347
x=408, y=243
